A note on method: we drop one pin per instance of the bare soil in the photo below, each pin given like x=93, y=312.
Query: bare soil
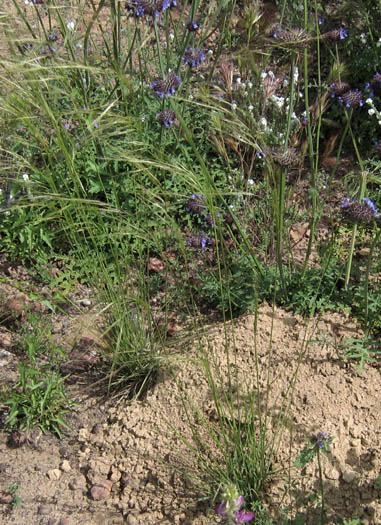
x=122, y=461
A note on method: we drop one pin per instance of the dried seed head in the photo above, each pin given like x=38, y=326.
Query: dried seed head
x=290, y=157
x=296, y=38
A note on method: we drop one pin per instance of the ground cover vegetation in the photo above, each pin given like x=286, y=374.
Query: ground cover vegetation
x=189, y=161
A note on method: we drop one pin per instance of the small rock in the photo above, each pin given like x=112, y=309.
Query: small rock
x=349, y=476
x=54, y=474
x=132, y=520
x=5, y=357
x=6, y=498
x=115, y=474
x=43, y=510
x=64, y=521
x=83, y=435
x=85, y=302
x=52, y=521
x=97, y=428
x=101, y=491
x=65, y=466
x=78, y=483
x=332, y=473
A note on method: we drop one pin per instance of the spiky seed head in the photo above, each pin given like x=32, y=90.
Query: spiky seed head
x=297, y=38
x=167, y=117
x=290, y=157
x=339, y=88
x=196, y=204
x=354, y=211
x=352, y=98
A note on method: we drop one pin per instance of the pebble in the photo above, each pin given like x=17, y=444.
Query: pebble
x=43, y=510
x=349, y=476
x=65, y=466
x=54, y=474
x=85, y=302
x=101, y=491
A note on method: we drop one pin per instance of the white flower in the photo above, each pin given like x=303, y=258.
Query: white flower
x=250, y=181
x=79, y=45
x=279, y=101
x=171, y=36
x=271, y=74
x=70, y=26
x=296, y=74
x=234, y=105
x=249, y=85
x=363, y=38
x=245, y=93
x=371, y=111
x=285, y=82
x=263, y=122
x=379, y=122
x=25, y=176
x=143, y=119
x=251, y=107
x=263, y=75
x=210, y=52
x=369, y=101
x=238, y=80
x=379, y=42
x=191, y=97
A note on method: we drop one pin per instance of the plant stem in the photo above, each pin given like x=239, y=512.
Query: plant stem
x=322, y=507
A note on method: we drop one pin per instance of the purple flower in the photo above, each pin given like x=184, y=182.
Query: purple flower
x=339, y=88
x=365, y=211
x=192, y=26
x=193, y=57
x=67, y=126
x=166, y=117
x=232, y=510
x=52, y=37
x=343, y=34
x=166, y=86
x=371, y=205
x=149, y=7
x=241, y=516
x=352, y=98
x=320, y=438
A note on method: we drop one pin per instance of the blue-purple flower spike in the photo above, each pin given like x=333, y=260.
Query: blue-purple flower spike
x=166, y=86
x=193, y=57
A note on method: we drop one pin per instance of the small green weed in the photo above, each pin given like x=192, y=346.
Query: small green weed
x=38, y=399
x=365, y=350
x=38, y=396
x=16, y=501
